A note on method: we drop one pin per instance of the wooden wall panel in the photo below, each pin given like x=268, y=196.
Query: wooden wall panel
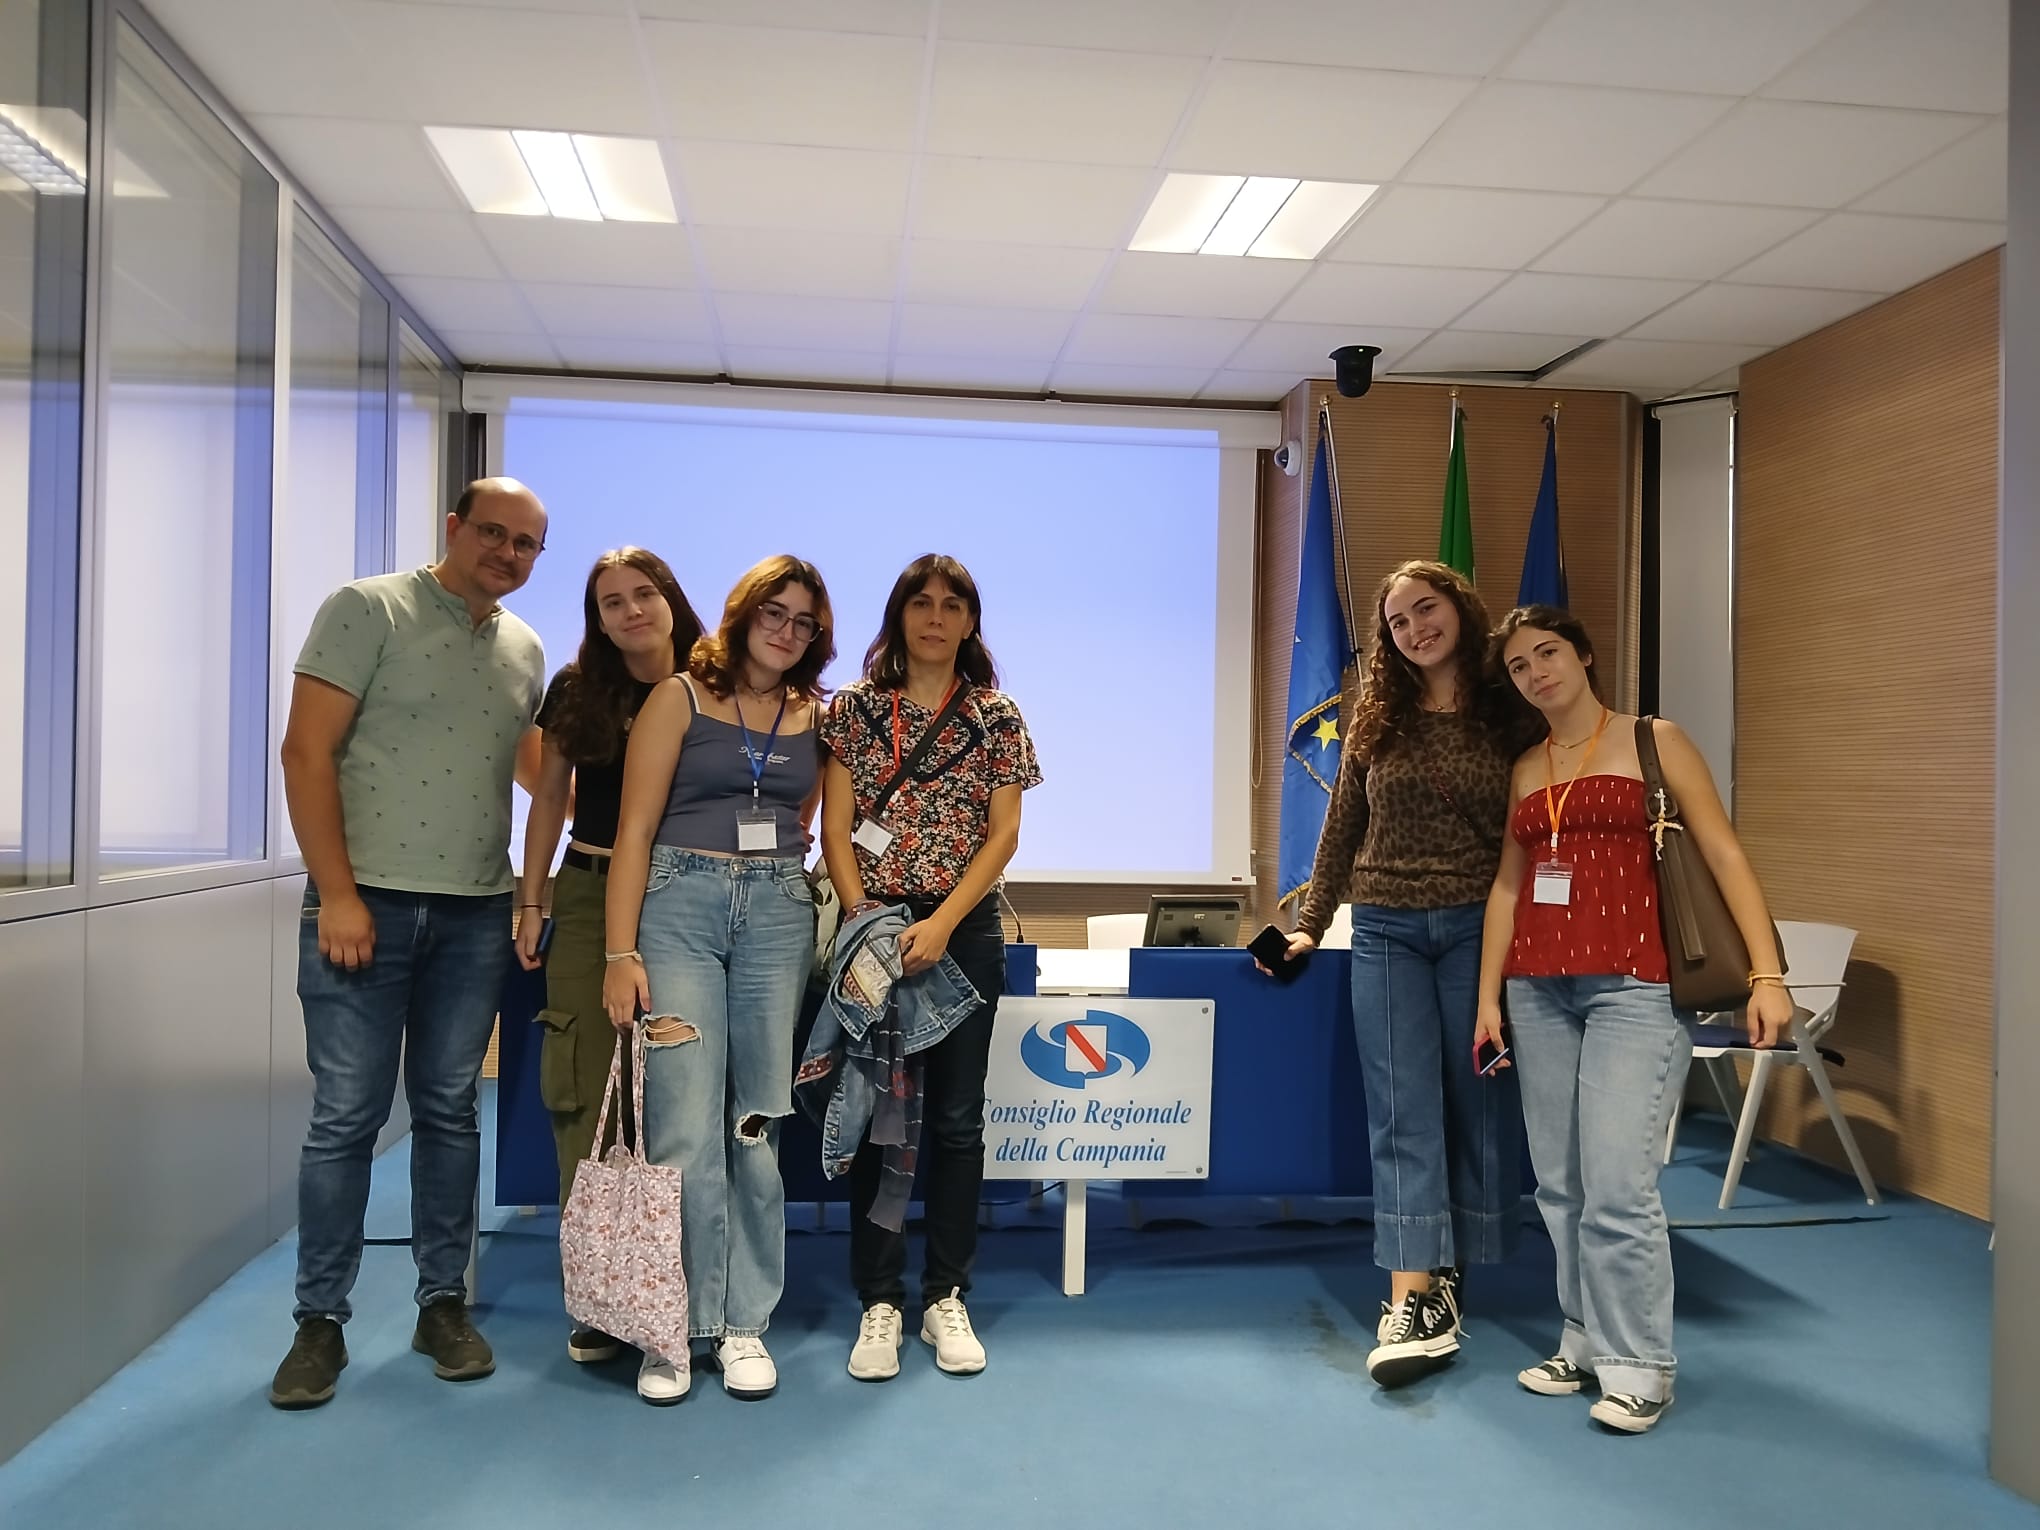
x=1866, y=706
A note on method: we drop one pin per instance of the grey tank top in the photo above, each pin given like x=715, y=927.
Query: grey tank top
x=713, y=784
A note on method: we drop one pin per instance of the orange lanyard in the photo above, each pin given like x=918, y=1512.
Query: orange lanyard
x=1555, y=810
x=953, y=684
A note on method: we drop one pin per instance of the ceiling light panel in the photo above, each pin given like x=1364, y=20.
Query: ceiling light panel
x=488, y=170
x=1274, y=217
x=581, y=177
x=1316, y=213
x=1258, y=202
x=1185, y=211
x=557, y=169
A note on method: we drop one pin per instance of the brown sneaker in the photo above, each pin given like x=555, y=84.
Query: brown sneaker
x=312, y=1368
x=446, y=1334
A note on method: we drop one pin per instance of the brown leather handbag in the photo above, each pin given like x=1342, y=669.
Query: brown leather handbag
x=1709, y=960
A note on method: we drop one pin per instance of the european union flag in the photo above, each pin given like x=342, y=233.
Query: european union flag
x=1316, y=662
x=1544, y=556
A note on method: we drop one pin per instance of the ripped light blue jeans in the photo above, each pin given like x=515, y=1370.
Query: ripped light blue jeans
x=727, y=943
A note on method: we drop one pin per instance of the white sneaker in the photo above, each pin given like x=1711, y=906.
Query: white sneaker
x=876, y=1356
x=747, y=1370
x=947, y=1326
x=662, y=1382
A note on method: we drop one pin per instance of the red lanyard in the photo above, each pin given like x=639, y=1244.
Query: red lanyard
x=896, y=756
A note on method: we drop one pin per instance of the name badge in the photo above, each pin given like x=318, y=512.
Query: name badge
x=757, y=831
x=872, y=837
x=1552, y=883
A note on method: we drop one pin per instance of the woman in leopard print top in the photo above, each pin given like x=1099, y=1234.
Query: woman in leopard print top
x=1412, y=837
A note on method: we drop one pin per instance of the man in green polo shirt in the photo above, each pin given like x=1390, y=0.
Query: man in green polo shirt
x=412, y=695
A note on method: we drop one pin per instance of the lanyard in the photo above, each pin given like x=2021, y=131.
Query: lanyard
x=1556, y=810
x=953, y=684
x=756, y=761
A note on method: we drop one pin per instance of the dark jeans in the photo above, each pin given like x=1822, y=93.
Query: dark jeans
x=429, y=997
x=952, y=1134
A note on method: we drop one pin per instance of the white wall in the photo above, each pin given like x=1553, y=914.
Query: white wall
x=1696, y=562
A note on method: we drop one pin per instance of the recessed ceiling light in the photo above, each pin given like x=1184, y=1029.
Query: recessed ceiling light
x=1269, y=216
x=534, y=174
x=42, y=151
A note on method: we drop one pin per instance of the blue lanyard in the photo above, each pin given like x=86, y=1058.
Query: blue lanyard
x=756, y=760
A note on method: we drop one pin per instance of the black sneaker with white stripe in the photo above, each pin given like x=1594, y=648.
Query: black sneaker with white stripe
x=1556, y=1377
x=1628, y=1414
x=1416, y=1336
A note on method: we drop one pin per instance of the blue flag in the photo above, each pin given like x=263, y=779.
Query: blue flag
x=1544, y=556
x=1311, y=762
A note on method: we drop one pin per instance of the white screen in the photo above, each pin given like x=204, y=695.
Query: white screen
x=1100, y=552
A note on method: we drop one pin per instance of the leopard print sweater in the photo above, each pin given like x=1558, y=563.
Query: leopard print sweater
x=1415, y=848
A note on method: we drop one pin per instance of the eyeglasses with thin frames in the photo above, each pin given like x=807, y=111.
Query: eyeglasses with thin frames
x=493, y=536
x=772, y=617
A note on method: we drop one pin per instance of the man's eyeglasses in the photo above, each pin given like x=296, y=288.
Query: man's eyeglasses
x=772, y=617
x=493, y=536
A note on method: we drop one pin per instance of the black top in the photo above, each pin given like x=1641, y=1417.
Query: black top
x=598, y=788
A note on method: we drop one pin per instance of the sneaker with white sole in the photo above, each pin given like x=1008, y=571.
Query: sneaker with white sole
x=1556, y=1377
x=591, y=1346
x=1628, y=1413
x=946, y=1325
x=747, y=1370
x=1419, y=1333
x=876, y=1355
x=661, y=1382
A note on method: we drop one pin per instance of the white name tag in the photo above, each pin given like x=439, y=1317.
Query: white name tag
x=757, y=830
x=1552, y=883
x=873, y=837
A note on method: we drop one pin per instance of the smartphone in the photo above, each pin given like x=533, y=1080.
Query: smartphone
x=1271, y=949
x=1487, y=1056
x=545, y=935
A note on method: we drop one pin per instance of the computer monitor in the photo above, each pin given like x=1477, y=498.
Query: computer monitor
x=1185, y=919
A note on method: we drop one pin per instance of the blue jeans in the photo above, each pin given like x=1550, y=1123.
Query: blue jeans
x=1446, y=1143
x=429, y=996
x=727, y=944
x=1603, y=1059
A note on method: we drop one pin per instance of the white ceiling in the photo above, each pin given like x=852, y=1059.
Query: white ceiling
x=940, y=192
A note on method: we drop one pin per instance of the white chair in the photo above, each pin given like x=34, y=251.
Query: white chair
x=1114, y=932
x=1816, y=957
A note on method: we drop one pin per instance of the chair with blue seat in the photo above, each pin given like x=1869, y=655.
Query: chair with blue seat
x=1816, y=959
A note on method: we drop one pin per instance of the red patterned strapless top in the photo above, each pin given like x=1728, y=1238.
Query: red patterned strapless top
x=1609, y=926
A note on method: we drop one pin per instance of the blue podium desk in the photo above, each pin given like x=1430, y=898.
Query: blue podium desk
x=1288, y=1116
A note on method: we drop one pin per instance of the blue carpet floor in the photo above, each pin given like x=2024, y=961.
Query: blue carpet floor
x=1834, y=1370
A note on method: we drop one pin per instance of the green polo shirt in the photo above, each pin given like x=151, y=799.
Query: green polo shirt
x=425, y=770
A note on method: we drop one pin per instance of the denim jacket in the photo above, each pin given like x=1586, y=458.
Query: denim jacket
x=847, y=1068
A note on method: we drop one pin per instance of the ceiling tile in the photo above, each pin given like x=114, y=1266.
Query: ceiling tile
x=1533, y=303
x=1324, y=124
x=626, y=313
x=803, y=323
x=763, y=260
x=563, y=250
x=1464, y=37
x=1058, y=104
x=944, y=271
x=1132, y=26
x=405, y=242
x=1304, y=350
x=533, y=69
x=1726, y=47
x=590, y=7
x=1009, y=202
x=1081, y=379
x=347, y=163
x=1463, y=351
x=617, y=355
x=1404, y=296
x=770, y=363
x=770, y=85
x=1939, y=55
x=1750, y=315
x=1561, y=137
x=1869, y=252
x=485, y=348
x=1255, y=387
x=1795, y=154
x=1118, y=339
x=1699, y=240
x=904, y=18
x=1966, y=180
x=1204, y=286
x=1450, y=225
x=824, y=191
x=1003, y=374
x=1018, y=334
x=448, y=302
x=290, y=56
x=1652, y=368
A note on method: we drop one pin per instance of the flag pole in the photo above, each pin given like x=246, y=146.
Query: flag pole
x=1552, y=418
x=1452, y=425
x=1339, y=527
